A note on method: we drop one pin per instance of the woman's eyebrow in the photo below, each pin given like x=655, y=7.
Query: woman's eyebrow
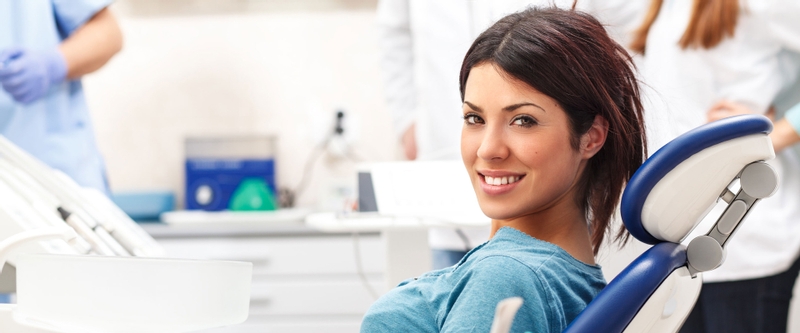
x=519, y=105
x=473, y=107
x=507, y=108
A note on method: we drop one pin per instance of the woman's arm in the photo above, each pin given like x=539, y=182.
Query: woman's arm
x=92, y=45
x=784, y=132
x=783, y=135
x=491, y=281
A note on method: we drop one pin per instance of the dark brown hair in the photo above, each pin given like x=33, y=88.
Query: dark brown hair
x=711, y=22
x=568, y=56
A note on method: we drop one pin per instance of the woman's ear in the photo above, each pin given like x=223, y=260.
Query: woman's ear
x=594, y=138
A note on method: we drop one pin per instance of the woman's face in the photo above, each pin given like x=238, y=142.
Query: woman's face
x=515, y=144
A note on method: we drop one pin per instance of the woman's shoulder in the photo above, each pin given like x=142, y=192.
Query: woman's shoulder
x=517, y=249
x=523, y=268
x=540, y=268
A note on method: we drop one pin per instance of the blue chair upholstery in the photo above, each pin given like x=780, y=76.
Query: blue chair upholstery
x=718, y=145
x=630, y=290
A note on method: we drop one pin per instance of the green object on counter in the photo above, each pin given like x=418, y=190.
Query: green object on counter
x=252, y=194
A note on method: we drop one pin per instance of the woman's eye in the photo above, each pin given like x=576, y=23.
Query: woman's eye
x=472, y=119
x=524, y=121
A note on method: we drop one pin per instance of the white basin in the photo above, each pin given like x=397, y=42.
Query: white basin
x=131, y=294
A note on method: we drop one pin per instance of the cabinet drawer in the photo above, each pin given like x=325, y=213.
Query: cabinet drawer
x=307, y=298
x=300, y=325
x=332, y=254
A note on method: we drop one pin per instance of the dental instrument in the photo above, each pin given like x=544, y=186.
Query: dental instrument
x=118, y=225
x=48, y=225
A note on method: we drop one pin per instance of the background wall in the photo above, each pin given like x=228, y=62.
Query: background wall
x=222, y=67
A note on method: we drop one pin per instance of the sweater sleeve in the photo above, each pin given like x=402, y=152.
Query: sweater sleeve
x=781, y=19
x=397, y=61
x=491, y=281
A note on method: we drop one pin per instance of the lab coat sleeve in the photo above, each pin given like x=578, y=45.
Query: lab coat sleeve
x=783, y=20
x=72, y=14
x=397, y=61
x=621, y=17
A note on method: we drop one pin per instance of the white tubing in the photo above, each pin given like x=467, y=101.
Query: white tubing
x=8, y=245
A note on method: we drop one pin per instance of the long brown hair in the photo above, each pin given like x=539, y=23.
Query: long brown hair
x=568, y=56
x=711, y=22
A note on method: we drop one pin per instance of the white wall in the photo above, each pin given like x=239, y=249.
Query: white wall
x=237, y=67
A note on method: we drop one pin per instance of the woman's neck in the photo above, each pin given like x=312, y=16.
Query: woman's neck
x=565, y=228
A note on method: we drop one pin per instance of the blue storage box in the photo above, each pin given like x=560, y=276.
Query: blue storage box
x=144, y=206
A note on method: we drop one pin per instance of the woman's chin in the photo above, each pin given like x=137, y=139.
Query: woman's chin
x=497, y=212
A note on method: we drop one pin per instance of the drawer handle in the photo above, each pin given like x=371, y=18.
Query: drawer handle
x=257, y=262
x=260, y=303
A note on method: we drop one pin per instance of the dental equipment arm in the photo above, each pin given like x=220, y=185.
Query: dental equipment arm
x=88, y=207
x=8, y=245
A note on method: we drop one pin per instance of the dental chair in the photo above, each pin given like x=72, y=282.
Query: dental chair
x=663, y=202
x=670, y=194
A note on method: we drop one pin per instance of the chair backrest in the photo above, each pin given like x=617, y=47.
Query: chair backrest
x=663, y=202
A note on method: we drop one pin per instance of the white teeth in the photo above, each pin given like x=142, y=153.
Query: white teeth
x=501, y=180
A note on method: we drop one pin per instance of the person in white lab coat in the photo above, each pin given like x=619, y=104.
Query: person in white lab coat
x=422, y=45
x=698, y=53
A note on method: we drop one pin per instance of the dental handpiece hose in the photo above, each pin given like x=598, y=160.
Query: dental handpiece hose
x=84, y=231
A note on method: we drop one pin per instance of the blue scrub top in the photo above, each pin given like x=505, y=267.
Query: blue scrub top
x=56, y=129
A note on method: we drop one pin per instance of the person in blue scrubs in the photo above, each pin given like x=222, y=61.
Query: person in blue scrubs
x=45, y=47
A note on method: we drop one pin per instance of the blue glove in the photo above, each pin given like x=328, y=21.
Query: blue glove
x=28, y=75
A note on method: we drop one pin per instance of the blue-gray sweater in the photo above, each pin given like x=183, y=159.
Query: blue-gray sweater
x=555, y=287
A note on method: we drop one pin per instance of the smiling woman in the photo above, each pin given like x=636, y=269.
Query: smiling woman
x=514, y=132
x=552, y=131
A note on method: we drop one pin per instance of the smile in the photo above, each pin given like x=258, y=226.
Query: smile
x=501, y=180
x=499, y=183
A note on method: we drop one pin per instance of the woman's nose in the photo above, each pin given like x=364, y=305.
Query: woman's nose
x=493, y=145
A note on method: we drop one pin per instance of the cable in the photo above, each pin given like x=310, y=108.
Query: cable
x=463, y=236
x=287, y=196
x=354, y=157
x=315, y=154
x=360, y=268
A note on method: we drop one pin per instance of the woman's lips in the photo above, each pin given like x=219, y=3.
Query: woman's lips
x=499, y=183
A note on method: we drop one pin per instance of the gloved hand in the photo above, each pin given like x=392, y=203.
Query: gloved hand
x=27, y=74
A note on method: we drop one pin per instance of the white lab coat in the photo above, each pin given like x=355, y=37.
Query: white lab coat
x=423, y=44
x=753, y=67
